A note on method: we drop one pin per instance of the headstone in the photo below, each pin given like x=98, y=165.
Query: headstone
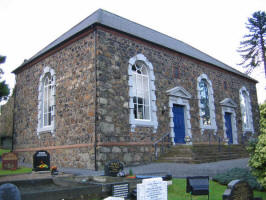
x=41, y=161
x=112, y=168
x=10, y=161
x=9, y=191
x=152, y=189
x=114, y=198
x=238, y=190
x=120, y=190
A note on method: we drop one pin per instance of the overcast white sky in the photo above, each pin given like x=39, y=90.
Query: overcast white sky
x=215, y=27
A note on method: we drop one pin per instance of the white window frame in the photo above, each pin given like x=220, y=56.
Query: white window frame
x=248, y=110
x=139, y=92
x=213, y=125
x=51, y=128
x=152, y=122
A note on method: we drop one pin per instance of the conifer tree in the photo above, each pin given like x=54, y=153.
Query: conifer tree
x=253, y=49
x=4, y=90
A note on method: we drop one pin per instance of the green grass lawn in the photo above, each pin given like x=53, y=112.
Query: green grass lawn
x=3, y=151
x=177, y=191
x=22, y=170
x=12, y=172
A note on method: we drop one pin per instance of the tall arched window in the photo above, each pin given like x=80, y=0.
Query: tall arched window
x=246, y=111
x=142, y=99
x=46, y=108
x=141, y=91
x=206, y=104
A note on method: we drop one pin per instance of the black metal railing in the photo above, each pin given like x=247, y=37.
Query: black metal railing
x=164, y=142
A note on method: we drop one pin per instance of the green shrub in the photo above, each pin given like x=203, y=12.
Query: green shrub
x=257, y=160
x=263, y=118
x=238, y=173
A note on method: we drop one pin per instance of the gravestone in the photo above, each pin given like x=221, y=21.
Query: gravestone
x=112, y=168
x=152, y=189
x=114, y=198
x=238, y=190
x=9, y=191
x=120, y=190
x=41, y=161
x=10, y=161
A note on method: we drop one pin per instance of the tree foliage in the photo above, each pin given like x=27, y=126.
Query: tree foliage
x=252, y=49
x=257, y=150
x=4, y=90
x=263, y=118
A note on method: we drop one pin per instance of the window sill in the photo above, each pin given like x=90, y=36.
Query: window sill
x=48, y=129
x=139, y=122
x=209, y=127
x=143, y=123
x=45, y=129
x=246, y=130
x=202, y=128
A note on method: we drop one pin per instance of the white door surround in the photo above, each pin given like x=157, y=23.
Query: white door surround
x=228, y=106
x=179, y=96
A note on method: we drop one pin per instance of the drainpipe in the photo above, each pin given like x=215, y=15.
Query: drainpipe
x=95, y=116
x=13, y=124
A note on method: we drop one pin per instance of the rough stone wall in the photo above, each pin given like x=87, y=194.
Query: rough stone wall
x=113, y=53
x=75, y=106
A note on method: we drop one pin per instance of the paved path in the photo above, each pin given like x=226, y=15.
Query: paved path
x=175, y=169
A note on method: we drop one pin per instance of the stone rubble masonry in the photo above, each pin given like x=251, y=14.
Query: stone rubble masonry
x=75, y=106
x=113, y=53
x=93, y=103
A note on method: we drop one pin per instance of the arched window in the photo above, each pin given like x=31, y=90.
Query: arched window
x=246, y=112
x=206, y=104
x=141, y=91
x=142, y=99
x=46, y=109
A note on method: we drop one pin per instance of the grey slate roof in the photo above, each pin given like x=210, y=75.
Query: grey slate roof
x=116, y=22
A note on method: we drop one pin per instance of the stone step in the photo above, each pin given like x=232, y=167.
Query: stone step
x=176, y=160
x=203, y=153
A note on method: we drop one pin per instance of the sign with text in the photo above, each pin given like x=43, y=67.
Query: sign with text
x=41, y=161
x=113, y=167
x=120, y=190
x=9, y=161
x=152, y=189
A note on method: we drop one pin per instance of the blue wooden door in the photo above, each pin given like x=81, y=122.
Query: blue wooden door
x=179, y=124
x=228, y=126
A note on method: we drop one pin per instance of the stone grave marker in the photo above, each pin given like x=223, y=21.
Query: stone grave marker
x=238, y=190
x=120, y=190
x=10, y=161
x=114, y=198
x=41, y=161
x=152, y=189
x=9, y=191
x=112, y=168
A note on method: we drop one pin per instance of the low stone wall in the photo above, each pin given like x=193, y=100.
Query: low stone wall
x=72, y=157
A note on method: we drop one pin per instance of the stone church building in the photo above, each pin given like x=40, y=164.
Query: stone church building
x=110, y=88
